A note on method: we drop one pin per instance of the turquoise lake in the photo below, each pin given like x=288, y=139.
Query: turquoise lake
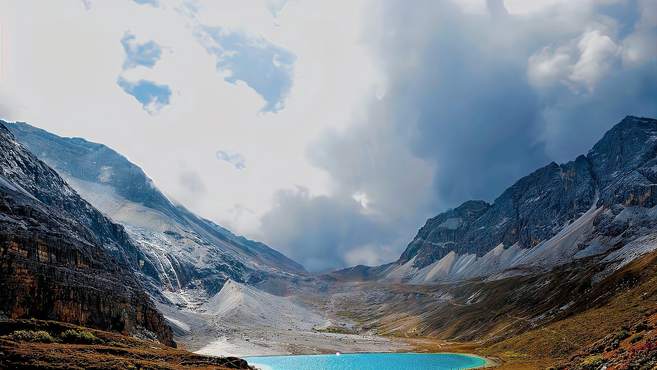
x=368, y=361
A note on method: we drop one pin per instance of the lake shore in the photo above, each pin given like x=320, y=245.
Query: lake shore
x=316, y=343
x=268, y=343
x=500, y=360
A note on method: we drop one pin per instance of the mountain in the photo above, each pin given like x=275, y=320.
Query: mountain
x=560, y=268
x=558, y=272
x=61, y=259
x=592, y=205
x=192, y=256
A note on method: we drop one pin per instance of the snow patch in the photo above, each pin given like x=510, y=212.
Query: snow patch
x=177, y=323
x=631, y=251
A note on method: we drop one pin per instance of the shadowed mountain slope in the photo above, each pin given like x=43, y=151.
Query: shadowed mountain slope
x=62, y=259
x=190, y=254
x=555, y=215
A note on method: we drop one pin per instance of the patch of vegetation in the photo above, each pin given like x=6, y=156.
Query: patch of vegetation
x=117, y=351
x=513, y=355
x=591, y=362
x=336, y=330
x=79, y=337
x=37, y=336
x=348, y=315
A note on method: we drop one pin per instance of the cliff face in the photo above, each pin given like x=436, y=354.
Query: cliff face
x=61, y=259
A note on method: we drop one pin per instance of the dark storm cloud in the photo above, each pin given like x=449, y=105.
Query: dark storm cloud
x=473, y=102
x=464, y=96
x=380, y=198
x=317, y=231
x=474, y=111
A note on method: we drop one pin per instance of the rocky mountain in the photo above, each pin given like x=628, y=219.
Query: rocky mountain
x=555, y=267
x=557, y=272
x=61, y=259
x=599, y=203
x=192, y=257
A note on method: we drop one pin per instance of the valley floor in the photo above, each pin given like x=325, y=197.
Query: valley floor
x=615, y=324
x=281, y=343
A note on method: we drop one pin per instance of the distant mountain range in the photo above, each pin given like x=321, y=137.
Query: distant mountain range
x=560, y=271
x=597, y=204
x=561, y=266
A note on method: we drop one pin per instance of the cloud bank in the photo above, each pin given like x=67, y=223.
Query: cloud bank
x=359, y=119
x=476, y=97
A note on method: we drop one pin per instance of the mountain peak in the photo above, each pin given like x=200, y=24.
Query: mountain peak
x=618, y=169
x=200, y=250
x=625, y=147
x=60, y=258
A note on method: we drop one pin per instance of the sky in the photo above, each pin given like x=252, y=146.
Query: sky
x=330, y=130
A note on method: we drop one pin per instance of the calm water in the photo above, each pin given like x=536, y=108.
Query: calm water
x=368, y=361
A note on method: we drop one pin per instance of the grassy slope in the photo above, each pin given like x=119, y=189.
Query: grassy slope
x=623, y=306
x=106, y=351
x=572, y=341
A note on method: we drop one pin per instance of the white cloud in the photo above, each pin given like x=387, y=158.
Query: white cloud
x=60, y=72
x=380, y=151
x=548, y=67
x=639, y=47
x=370, y=255
x=580, y=63
x=362, y=199
x=597, y=54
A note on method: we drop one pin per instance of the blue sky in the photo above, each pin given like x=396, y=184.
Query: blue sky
x=263, y=66
x=148, y=2
x=139, y=54
x=331, y=130
x=234, y=159
x=152, y=96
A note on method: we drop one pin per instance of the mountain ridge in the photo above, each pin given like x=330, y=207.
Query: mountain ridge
x=192, y=256
x=61, y=258
x=589, y=169
x=524, y=228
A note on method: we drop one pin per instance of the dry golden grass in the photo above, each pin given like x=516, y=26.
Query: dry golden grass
x=561, y=343
x=106, y=350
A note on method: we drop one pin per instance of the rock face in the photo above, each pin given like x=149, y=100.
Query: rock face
x=575, y=209
x=61, y=259
x=191, y=257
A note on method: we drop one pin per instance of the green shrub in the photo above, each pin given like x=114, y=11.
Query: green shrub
x=79, y=337
x=40, y=336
